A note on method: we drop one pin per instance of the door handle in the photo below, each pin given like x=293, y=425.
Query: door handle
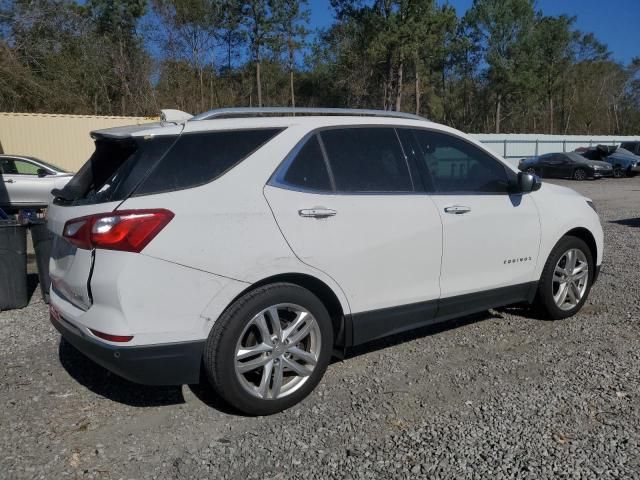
x=457, y=209
x=318, y=212
x=11, y=180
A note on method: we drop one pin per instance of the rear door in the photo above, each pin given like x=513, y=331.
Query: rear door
x=347, y=204
x=490, y=237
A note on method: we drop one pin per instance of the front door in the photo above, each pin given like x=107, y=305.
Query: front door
x=346, y=204
x=490, y=238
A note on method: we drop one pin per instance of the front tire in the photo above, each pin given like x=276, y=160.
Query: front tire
x=269, y=349
x=566, y=279
x=618, y=172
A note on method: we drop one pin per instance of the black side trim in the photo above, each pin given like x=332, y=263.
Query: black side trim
x=375, y=324
x=164, y=364
x=477, y=302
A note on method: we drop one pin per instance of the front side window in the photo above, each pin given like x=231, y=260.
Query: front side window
x=366, y=160
x=459, y=166
x=15, y=166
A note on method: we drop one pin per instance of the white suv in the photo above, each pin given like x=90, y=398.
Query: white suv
x=254, y=244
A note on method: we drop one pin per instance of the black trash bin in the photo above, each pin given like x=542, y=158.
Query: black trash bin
x=42, y=239
x=13, y=265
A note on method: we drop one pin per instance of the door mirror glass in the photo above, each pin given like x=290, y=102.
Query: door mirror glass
x=42, y=172
x=528, y=182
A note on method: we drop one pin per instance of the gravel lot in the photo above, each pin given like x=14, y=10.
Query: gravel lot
x=497, y=395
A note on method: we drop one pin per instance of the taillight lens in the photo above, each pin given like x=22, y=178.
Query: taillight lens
x=110, y=337
x=125, y=230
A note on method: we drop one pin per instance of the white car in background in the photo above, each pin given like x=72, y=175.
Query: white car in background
x=26, y=182
x=255, y=244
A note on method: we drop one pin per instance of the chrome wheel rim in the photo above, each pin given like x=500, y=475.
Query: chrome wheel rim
x=277, y=351
x=579, y=175
x=570, y=279
x=531, y=171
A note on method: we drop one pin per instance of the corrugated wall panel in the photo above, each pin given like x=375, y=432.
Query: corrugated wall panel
x=59, y=139
x=516, y=145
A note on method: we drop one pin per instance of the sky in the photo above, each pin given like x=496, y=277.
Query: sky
x=614, y=22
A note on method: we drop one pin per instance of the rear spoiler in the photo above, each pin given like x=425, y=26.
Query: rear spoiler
x=119, y=133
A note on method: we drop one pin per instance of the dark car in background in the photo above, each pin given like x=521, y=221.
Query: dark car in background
x=566, y=165
x=625, y=159
x=633, y=147
x=599, y=152
x=624, y=163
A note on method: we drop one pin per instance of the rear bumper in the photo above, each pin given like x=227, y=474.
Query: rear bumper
x=163, y=364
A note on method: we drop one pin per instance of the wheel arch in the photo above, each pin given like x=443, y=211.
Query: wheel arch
x=342, y=331
x=587, y=237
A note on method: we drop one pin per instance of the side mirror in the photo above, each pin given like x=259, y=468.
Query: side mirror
x=528, y=183
x=42, y=172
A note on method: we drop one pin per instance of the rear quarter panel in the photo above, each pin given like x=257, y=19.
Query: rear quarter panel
x=226, y=227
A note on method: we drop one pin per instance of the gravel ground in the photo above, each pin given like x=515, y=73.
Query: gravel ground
x=497, y=395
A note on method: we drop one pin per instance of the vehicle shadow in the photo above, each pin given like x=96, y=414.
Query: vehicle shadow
x=102, y=382
x=205, y=393
x=628, y=222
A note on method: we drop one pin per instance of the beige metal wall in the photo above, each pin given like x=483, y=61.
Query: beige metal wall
x=59, y=139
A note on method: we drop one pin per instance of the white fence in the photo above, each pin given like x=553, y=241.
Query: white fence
x=514, y=146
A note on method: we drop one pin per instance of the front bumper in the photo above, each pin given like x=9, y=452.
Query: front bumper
x=602, y=173
x=163, y=364
x=636, y=169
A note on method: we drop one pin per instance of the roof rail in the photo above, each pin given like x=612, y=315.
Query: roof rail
x=288, y=111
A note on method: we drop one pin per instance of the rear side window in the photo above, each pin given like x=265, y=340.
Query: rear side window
x=308, y=170
x=199, y=158
x=366, y=160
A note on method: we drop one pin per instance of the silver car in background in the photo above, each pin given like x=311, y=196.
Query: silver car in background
x=26, y=182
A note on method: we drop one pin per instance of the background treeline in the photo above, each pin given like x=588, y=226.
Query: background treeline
x=502, y=67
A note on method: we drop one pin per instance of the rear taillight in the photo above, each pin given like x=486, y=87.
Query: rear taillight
x=126, y=230
x=110, y=337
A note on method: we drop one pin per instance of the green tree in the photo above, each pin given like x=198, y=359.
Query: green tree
x=290, y=21
x=503, y=28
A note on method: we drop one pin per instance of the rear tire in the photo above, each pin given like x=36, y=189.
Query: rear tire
x=552, y=301
x=618, y=172
x=269, y=349
x=579, y=174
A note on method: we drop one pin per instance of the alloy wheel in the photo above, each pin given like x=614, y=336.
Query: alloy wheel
x=277, y=351
x=570, y=279
x=579, y=174
x=531, y=170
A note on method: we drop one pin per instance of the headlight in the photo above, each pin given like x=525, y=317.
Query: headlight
x=592, y=205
